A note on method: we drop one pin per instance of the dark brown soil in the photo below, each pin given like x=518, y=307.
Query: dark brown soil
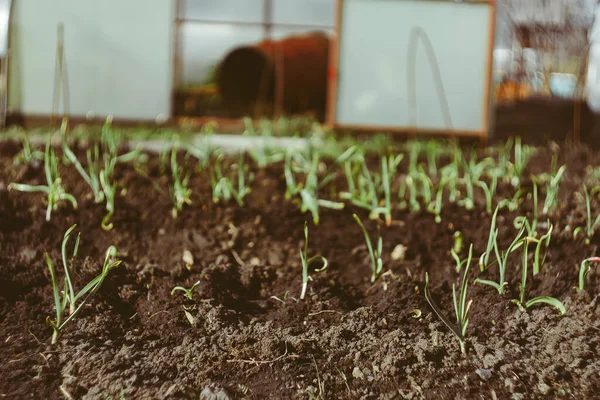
x=252, y=337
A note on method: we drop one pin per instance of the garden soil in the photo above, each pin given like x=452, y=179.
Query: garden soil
x=246, y=334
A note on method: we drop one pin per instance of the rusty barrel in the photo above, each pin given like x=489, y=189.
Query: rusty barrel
x=291, y=71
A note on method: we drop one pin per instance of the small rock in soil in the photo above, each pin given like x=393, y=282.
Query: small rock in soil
x=484, y=374
x=27, y=254
x=188, y=259
x=399, y=252
x=543, y=388
x=213, y=393
x=357, y=373
x=276, y=257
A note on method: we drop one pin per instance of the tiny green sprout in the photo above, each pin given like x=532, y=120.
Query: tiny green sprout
x=544, y=240
x=180, y=192
x=408, y=183
x=485, y=257
x=521, y=302
x=591, y=226
x=27, y=155
x=436, y=206
x=223, y=186
x=367, y=190
x=502, y=259
x=53, y=187
x=309, y=192
x=458, y=242
x=74, y=301
x=522, y=221
x=433, y=151
x=552, y=186
x=375, y=254
x=522, y=155
x=461, y=305
x=512, y=203
x=91, y=175
x=489, y=191
x=307, y=261
x=266, y=152
x=188, y=293
x=584, y=269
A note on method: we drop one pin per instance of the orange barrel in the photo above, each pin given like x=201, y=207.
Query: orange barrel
x=291, y=71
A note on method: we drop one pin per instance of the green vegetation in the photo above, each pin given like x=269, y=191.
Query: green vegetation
x=75, y=302
x=307, y=261
x=374, y=254
x=53, y=188
x=461, y=305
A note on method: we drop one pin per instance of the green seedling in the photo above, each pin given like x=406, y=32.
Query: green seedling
x=450, y=175
x=492, y=237
x=408, y=184
x=306, y=263
x=521, y=302
x=552, y=187
x=109, y=188
x=99, y=174
x=543, y=241
x=366, y=189
x=458, y=242
x=461, y=305
x=513, y=203
x=433, y=151
x=180, y=193
x=27, y=155
x=309, y=190
x=435, y=207
x=522, y=221
x=53, y=187
x=74, y=301
x=188, y=293
x=502, y=259
x=223, y=186
x=203, y=149
x=265, y=153
x=489, y=192
x=522, y=155
x=584, y=269
x=591, y=225
x=415, y=149
x=374, y=254
x=92, y=175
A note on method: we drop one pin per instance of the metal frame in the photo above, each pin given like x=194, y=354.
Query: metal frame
x=4, y=56
x=331, y=122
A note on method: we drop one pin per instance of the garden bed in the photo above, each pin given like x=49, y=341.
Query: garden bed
x=246, y=333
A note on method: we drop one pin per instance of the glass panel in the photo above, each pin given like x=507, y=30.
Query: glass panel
x=223, y=10
x=307, y=12
x=202, y=46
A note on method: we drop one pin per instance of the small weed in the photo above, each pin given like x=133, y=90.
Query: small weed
x=584, y=269
x=53, y=187
x=74, y=301
x=375, y=254
x=188, y=293
x=461, y=305
x=307, y=261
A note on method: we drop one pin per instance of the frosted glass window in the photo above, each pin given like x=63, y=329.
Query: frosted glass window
x=373, y=67
x=306, y=12
x=223, y=10
x=202, y=46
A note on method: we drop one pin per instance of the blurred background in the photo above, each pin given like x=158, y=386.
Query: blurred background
x=188, y=60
